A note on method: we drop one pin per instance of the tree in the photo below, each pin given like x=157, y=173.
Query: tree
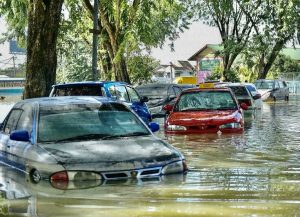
x=275, y=27
x=141, y=67
x=234, y=27
x=126, y=25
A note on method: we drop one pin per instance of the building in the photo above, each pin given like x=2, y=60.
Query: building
x=168, y=73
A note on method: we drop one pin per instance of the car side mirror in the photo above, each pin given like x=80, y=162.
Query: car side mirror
x=20, y=135
x=244, y=106
x=257, y=96
x=154, y=127
x=144, y=99
x=168, y=107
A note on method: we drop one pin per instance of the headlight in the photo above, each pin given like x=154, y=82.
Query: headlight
x=175, y=167
x=230, y=126
x=176, y=127
x=155, y=110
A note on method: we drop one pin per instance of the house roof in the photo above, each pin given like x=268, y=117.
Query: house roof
x=204, y=51
x=293, y=53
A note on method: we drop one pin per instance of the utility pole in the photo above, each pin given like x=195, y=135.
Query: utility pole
x=95, y=40
x=171, y=67
x=14, y=63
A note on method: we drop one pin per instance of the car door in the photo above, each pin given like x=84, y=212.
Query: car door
x=19, y=148
x=139, y=107
x=9, y=125
x=276, y=90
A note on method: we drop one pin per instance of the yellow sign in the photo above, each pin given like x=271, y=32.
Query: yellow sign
x=206, y=85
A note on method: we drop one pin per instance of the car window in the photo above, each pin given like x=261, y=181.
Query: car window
x=12, y=120
x=277, y=84
x=205, y=100
x=264, y=84
x=152, y=92
x=88, y=121
x=177, y=90
x=88, y=90
x=134, y=97
x=121, y=93
x=239, y=90
x=25, y=120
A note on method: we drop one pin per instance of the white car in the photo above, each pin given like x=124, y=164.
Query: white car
x=255, y=95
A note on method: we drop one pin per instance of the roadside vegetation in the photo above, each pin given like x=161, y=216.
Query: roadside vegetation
x=59, y=41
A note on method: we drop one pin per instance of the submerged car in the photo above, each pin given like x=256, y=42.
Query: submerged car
x=207, y=110
x=159, y=94
x=83, y=138
x=119, y=90
x=272, y=90
x=255, y=95
x=242, y=94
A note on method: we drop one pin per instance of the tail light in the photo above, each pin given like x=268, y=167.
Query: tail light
x=246, y=101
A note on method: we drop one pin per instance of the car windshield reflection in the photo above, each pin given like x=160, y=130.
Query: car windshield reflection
x=87, y=122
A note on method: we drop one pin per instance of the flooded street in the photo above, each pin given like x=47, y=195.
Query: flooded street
x=256, y=173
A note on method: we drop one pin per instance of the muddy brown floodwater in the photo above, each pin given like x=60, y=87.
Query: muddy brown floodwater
x=256, y=173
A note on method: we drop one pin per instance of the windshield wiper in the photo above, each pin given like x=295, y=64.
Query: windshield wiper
x=83, y=137
x=194, y=109
x=126, y=135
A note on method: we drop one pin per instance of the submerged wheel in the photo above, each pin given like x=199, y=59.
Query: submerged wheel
x=35, y=176
x=274, y=98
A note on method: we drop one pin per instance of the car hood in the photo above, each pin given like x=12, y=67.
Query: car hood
x=203, y=117
x=155, y=101
x=124, y=153
x=264, y=91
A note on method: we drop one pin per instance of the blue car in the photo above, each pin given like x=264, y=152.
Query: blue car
x=118, y=90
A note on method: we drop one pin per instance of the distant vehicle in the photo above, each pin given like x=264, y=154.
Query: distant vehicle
x=186, y=80
x=159, y=95
x=205, y=110
x=255, y=95
x=242, y=94
x=83, y=138
x=119, y=90
x=272, y=90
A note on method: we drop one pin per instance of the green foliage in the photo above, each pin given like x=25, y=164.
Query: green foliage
x=284, y=67
x=15, y=14
x=141, y=68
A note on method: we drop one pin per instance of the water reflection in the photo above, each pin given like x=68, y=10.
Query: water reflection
x=256, y=173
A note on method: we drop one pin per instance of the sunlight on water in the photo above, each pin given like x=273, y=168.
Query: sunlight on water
x=256, y=173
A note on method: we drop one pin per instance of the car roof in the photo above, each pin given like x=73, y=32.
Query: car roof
x=65, y=100
x=155, y=85
x=85, y=83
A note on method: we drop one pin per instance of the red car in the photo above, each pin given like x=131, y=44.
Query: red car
x=210, y=110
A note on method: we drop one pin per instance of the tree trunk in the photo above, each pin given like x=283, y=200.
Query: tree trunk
x=43, y=25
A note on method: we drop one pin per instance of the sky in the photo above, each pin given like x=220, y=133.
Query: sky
x=190, y=41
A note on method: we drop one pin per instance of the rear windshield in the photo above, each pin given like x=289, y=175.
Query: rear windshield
x=239, y=90
x=264, y=84
x=88, y=90
x=152, y=92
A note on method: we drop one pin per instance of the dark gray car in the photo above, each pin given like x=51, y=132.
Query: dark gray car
x=159, y=95
x=272, y=90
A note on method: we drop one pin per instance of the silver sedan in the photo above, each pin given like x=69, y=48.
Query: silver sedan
x=83, y=138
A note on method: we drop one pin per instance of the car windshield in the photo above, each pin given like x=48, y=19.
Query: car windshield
x=239, y=90
x=206, y=100
x=152, y=92
x=264, y=84
x=82, y=90
x=87, y=121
